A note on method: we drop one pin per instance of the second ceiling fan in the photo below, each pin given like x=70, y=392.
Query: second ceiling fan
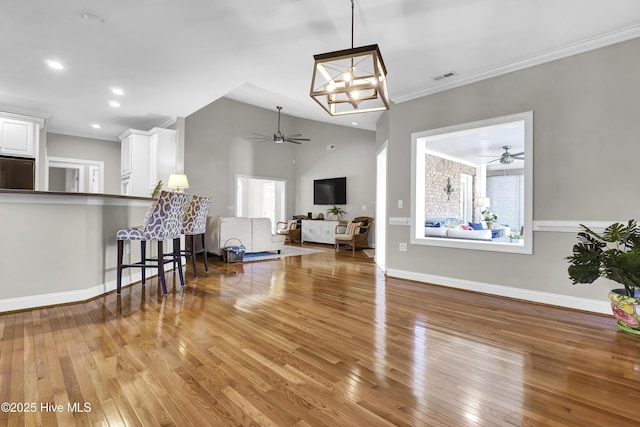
x=279, y=137
x=507, y=157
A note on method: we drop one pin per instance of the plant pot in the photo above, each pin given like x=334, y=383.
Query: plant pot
x=625, y=311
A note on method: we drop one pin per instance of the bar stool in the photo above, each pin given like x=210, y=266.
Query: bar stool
x=194, y=223
x=162, y=222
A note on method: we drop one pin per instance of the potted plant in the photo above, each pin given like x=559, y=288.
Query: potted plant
x=489, y=217
x=157, y=189
x=615, y=255
x=336, y=211
x=515, y=238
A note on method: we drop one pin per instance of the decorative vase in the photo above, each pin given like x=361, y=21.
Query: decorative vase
x=625, y=311
x=489, y=225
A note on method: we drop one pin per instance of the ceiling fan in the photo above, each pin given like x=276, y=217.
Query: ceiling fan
x=279, y=137
x=507, y=157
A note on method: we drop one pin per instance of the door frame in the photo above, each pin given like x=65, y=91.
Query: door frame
x=382, y=172
x=81, y=165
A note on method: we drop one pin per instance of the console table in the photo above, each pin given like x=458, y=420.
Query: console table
x=319, y=231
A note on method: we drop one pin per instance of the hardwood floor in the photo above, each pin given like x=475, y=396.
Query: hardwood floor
x=314, y=340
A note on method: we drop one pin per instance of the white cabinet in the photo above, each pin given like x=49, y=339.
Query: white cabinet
x=319, y=231
x=145, y=158
x=18, y=137
x=162, y=156
x=125, y=156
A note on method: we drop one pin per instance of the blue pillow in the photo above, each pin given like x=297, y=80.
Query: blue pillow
x=476, y=225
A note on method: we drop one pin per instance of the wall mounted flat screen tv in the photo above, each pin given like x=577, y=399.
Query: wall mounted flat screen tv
x=331, y=191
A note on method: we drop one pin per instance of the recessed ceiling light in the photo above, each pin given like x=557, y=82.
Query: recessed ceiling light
x=96, y=126
x=114, y=103
x=91, y=17
x=117, y=91
x=354, y=123
x=55, y=65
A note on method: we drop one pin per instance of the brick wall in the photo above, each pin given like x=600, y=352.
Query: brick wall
x=437, y=203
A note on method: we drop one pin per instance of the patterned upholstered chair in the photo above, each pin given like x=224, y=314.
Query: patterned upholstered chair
x=162, y=222
x=354, y=234
x=194, y=223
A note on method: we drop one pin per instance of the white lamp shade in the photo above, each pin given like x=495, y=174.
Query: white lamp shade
x=178, y=181
x=482, y=202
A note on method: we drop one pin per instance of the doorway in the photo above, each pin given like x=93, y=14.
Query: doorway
x=381, y=208
x=74, y=175
x=258, y=197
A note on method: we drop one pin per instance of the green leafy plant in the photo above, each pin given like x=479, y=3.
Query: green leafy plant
x=614, y=254
x=514, y=236
x=489, y=216
x=336, y=211
x=157, y=189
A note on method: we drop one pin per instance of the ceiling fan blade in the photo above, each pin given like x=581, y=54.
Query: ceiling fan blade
x=263, y=136
x=518, y=154
x=292, y=140
x=298, y=139
x=294, y=135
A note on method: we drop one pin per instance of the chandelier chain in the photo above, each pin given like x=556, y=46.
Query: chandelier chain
x=352, y=23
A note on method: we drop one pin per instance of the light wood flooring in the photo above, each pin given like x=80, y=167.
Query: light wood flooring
x=314, y=340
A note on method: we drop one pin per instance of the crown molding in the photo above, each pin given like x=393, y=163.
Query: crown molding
x=592, y=43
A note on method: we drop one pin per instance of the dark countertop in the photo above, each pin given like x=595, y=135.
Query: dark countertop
x=62, y=193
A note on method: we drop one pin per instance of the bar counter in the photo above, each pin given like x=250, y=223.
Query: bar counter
x=61, y=247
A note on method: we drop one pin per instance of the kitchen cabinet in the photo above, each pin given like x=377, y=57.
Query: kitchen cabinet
x=145, y=158
x=18, y=137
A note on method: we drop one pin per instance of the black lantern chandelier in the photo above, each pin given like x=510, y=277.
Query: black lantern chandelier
x=351, y=80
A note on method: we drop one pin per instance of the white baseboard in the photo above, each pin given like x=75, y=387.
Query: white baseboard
x=46, y=300
x=594, y=306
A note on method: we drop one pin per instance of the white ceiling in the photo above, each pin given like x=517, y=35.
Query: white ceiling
x=481, y=145
x=174, y=57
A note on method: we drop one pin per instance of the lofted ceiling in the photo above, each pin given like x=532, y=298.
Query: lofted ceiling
x=172, y=58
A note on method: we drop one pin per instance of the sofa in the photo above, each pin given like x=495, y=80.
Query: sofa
x=253, y=233
x=453, y=229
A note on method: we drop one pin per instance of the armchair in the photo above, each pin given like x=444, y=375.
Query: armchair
x=356, y=234
x=290, y=229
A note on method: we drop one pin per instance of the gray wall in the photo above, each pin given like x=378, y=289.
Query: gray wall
x=586, y=154
x=75, y=147
x=216, y=150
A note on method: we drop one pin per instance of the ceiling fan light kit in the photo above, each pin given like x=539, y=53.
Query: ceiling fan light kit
x=350, y=81
x=279, y=137
x=507, y=157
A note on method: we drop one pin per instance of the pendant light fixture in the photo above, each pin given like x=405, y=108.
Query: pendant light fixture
x=351, y=80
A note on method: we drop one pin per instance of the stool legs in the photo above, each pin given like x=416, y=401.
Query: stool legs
x=204, y=254
x=161, y=266
x=190, y=243
x=193, y=255
x=159, y=262
x=120, y=255
x=143, y=259
x=177, y=257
